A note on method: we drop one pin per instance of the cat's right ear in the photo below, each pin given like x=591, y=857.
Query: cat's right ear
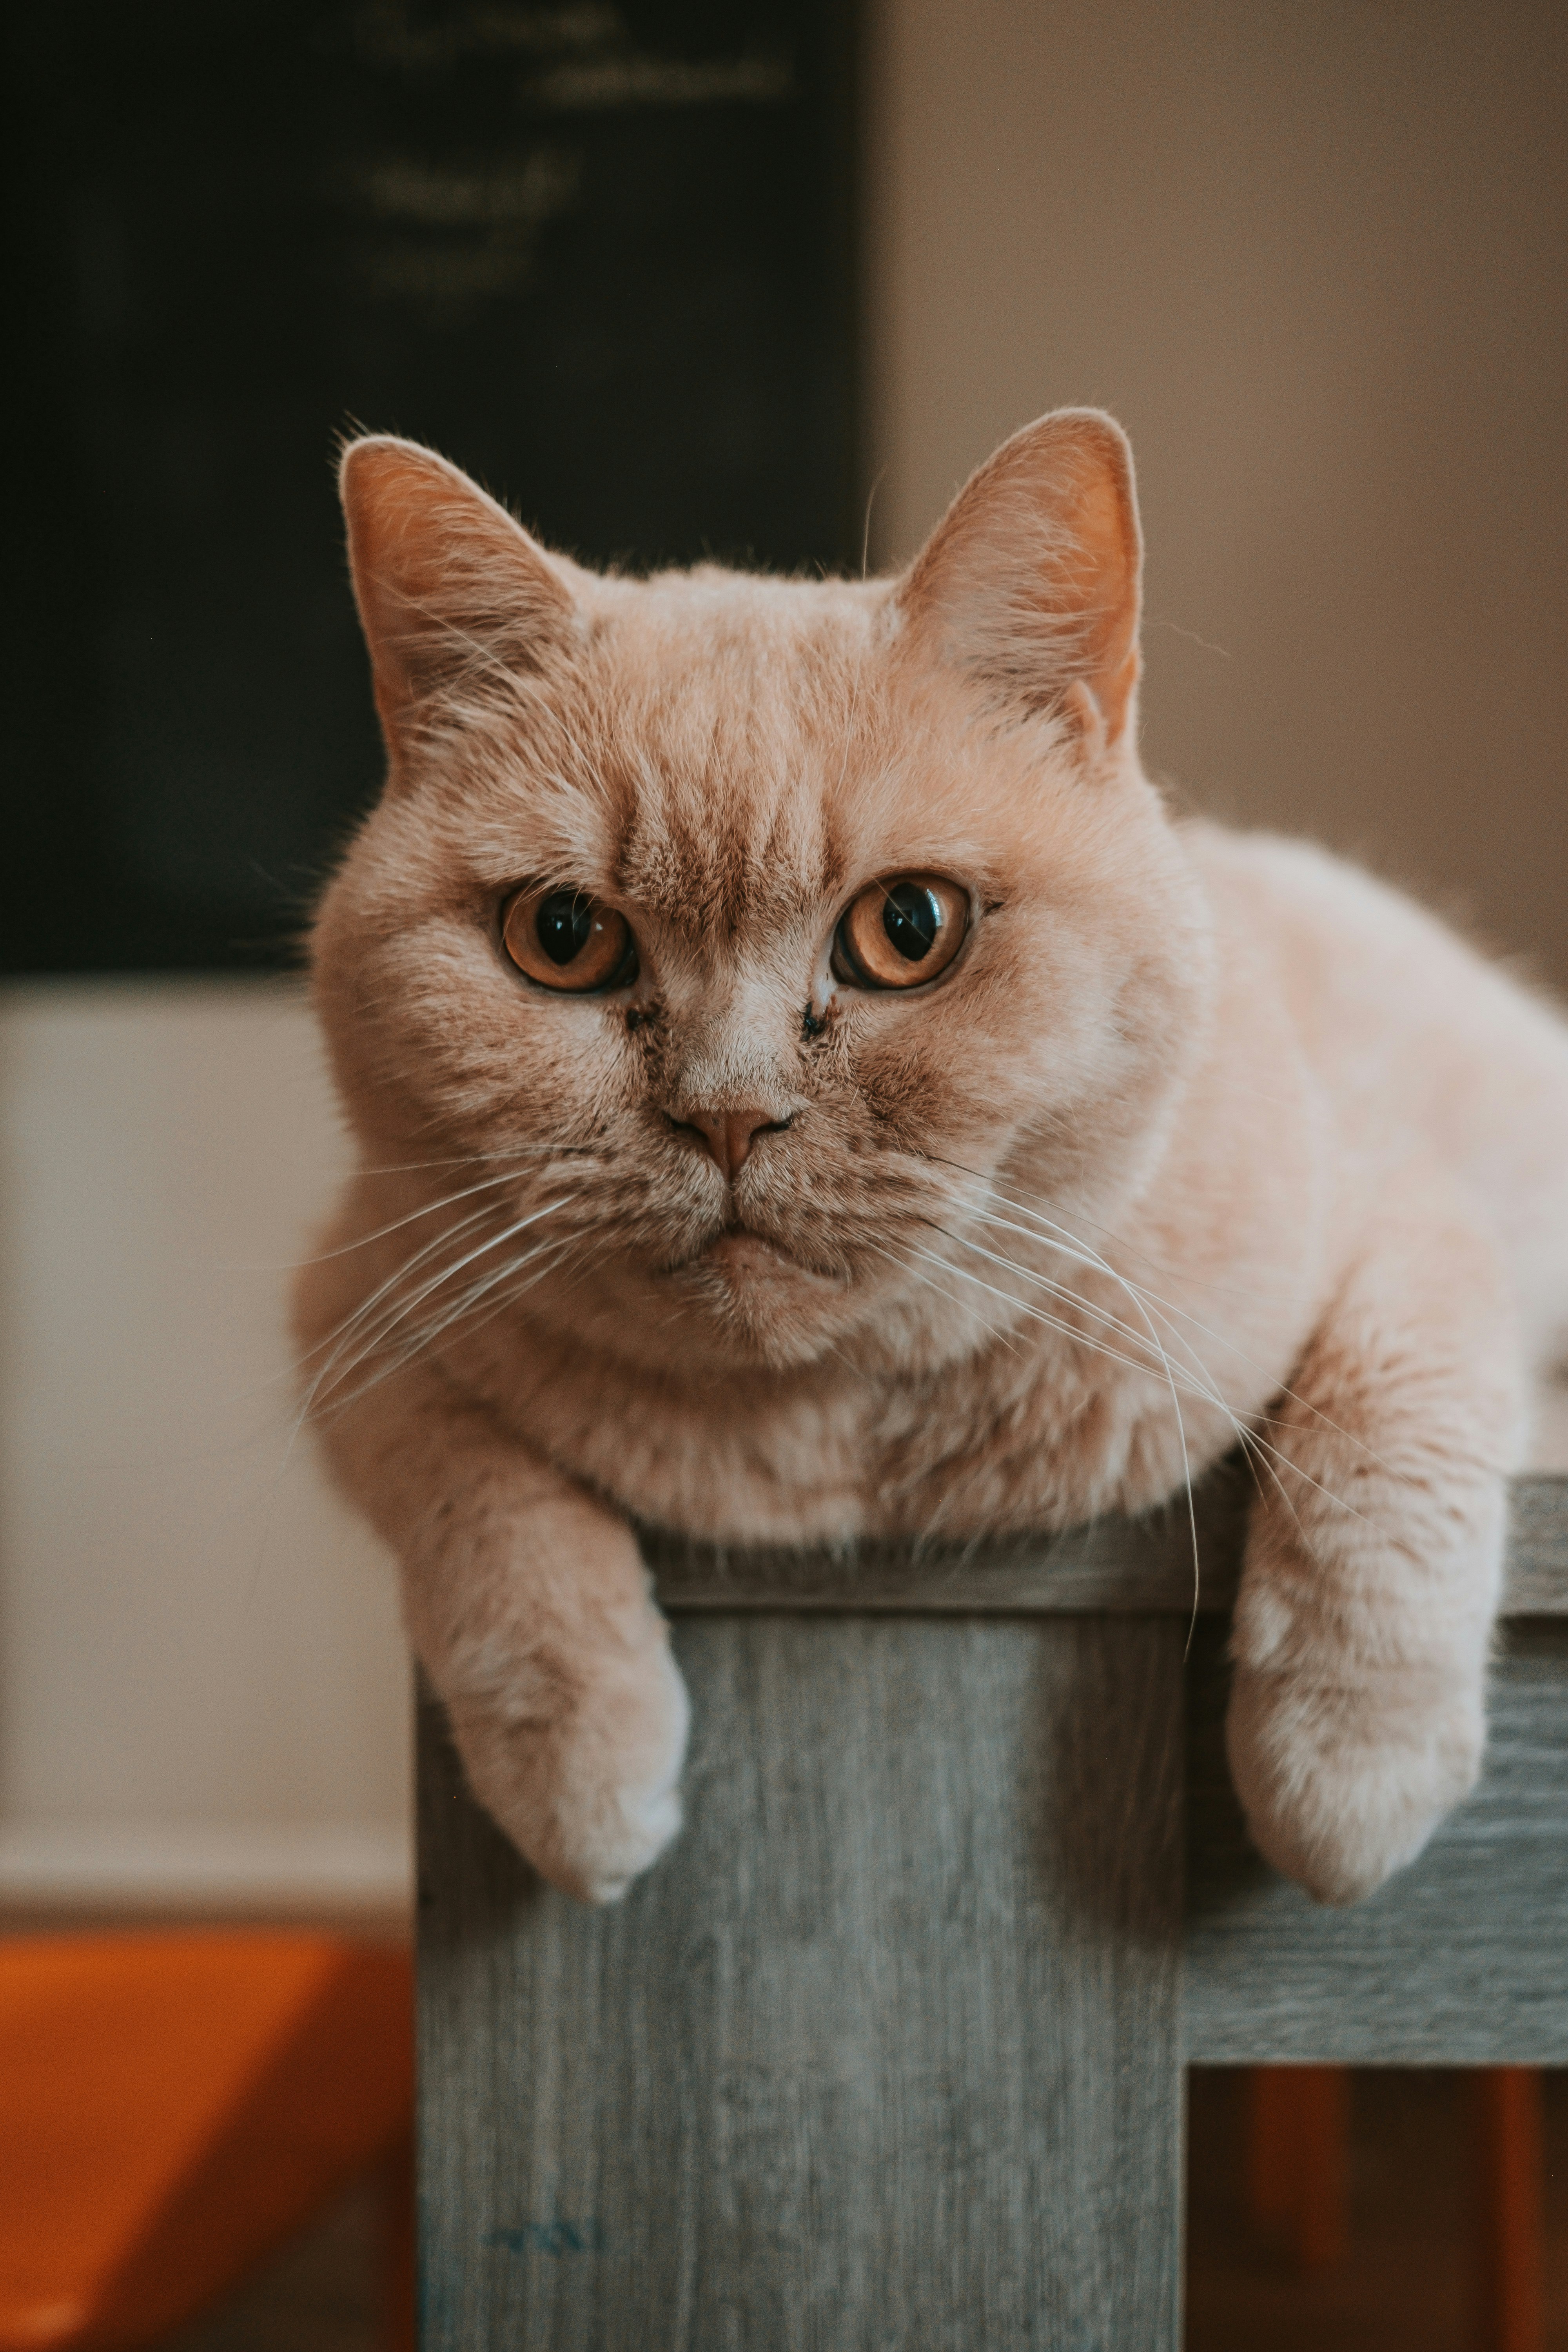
x=454, y=597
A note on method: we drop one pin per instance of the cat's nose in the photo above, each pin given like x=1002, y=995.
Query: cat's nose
x=730, y=1135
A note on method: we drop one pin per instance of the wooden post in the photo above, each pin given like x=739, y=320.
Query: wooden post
x=886, y=2053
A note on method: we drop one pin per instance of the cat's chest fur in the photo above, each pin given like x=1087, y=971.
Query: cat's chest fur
x=1047, y=1435
x=732, y=1460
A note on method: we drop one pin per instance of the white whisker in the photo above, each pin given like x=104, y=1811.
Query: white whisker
x=1167, y=1369
x=1199, y=1385
x=402, y=1308
x=1170, y=1309
x=421, y=1341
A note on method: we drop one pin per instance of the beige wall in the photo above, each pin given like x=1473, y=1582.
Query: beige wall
x=204, y=1695
x=1313, y=257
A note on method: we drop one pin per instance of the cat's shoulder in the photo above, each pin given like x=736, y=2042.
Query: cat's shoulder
x=1280, y=882
x=1284, y=865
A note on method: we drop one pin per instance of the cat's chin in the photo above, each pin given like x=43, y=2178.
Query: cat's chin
x=762, y=1304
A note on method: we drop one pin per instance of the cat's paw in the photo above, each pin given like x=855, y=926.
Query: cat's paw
x=593, y=1798
x=1343, y=1787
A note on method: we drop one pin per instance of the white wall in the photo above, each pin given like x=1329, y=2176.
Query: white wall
x=204, y=1695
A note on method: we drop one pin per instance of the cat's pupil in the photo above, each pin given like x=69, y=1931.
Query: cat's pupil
x=562, y=924
x=911, y=918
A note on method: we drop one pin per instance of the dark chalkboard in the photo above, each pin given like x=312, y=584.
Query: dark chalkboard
x=599, y=254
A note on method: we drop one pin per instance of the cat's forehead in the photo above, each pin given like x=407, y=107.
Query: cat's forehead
x=733, y=714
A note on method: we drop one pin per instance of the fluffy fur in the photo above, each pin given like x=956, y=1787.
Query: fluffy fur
x=1200, y=1135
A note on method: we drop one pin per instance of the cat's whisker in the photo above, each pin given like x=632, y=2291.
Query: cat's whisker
x=416, y=1342
x=1201, y=1388
x=379, y=1233
x=1248, y=1436
x=1167, y=1307
x=1195, y=1374
x=343, y=1330
x=547, y=1258
x=357, y=1327
x=362, y=1314
x=1170, y=1376
x=556, y=1251
x=411, y=1167
x=424, y=1336
x=1062, y=1291
x=1038, y=1315
x=420, y=1342
x=335, y=1369
x=586, y=1258
x=516, y=1155
x=1072, y=1245
x=454, y=1160
x=400, y=1309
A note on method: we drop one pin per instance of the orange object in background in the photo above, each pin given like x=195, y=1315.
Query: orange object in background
x=1298, y=2159
x=1510, y=2304
x=1297, y=2180
x=173, y=2107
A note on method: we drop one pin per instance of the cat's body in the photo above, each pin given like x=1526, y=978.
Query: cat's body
x=1197, y=1132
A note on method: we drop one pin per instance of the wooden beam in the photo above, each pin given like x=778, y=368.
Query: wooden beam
x=1457, y=1961
x=1119, y=1567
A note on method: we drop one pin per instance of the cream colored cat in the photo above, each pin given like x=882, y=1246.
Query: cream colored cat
x=809, y=1086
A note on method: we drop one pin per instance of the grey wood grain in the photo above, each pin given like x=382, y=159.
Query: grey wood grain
x=1537, y=1583
x=885, y=2053
x=1461, y=1960
x=1125, y=1567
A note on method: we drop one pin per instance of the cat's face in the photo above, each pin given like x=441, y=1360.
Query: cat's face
x=765, y=924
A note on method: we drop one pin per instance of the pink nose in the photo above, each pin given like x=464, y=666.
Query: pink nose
x=730, y=1135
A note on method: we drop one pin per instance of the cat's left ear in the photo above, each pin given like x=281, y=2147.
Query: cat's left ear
x=1032, y=580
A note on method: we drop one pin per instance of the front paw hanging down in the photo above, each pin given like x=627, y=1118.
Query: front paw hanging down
x=1342, y=1786
x=1375, y=1554
x=582, y=1773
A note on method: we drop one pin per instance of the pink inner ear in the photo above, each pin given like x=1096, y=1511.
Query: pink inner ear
x=445, y=578
x=1032, y=578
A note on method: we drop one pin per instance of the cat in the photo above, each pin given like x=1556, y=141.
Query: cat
x=809, y=1086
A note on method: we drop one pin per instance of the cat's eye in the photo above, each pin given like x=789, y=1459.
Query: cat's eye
x=565, y=940
x=899, y=932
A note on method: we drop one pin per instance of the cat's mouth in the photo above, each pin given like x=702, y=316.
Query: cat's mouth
x=739, y=1247
x=742, y=1254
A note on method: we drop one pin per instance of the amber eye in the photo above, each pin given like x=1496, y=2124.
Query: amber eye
x=900, y=933
x=564, y=938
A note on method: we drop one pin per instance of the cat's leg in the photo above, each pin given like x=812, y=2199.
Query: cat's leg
x=1373, y=1560
x=531, y=1609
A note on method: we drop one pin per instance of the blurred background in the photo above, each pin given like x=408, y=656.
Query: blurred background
x=762, y=280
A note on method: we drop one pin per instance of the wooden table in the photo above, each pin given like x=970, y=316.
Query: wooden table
x=887, y=2054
